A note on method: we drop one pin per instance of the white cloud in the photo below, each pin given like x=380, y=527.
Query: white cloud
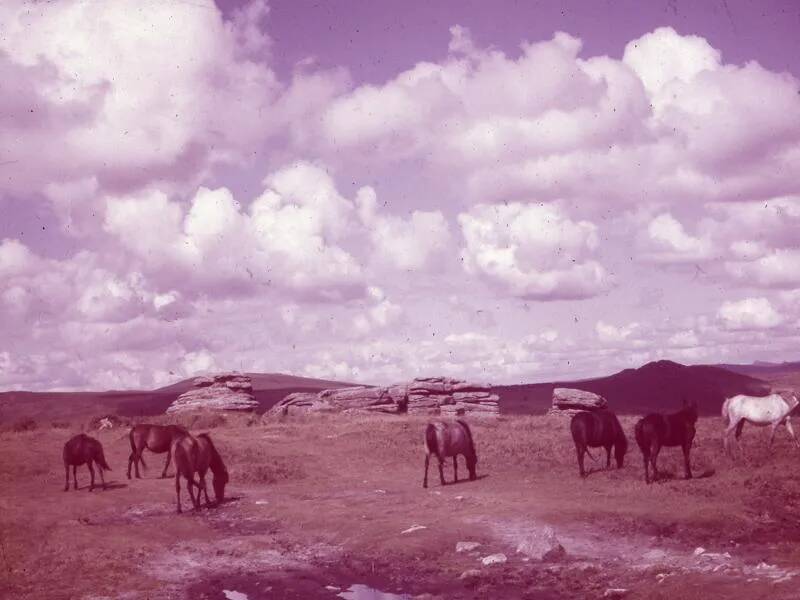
x=749, y=313
x=533, y=251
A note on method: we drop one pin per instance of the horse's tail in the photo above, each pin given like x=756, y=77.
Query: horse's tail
x=725, y=416
x=431, y=444
x=638, y=433
x=101, y=459
x=469, y=434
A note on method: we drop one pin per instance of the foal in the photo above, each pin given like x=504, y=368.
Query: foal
x=657, y=430
x=80, y=450
x=449, y=438
x=157, y=439
x=598, y=429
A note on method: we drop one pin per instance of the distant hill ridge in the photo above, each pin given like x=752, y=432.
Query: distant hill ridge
x=656, y=386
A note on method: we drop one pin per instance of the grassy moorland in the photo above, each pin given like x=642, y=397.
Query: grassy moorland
x=322, y=501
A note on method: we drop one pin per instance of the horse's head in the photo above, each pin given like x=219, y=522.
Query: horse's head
x=220, y=481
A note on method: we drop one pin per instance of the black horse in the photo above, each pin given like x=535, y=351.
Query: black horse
x=598, y=429
x=657, y=430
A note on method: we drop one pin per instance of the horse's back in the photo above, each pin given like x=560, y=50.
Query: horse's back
x=185, y=451
x=595, y=428
x=452, y=437
x=757, y=410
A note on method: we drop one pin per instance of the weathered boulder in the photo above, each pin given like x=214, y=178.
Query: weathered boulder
x=428, y=395
x=568, y=401
x=225, y=391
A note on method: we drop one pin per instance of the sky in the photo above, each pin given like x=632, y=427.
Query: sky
x=375, y=191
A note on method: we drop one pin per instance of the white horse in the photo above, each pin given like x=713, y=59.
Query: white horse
x=767, y=410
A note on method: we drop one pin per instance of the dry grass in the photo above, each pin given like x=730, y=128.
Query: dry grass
x=320, y=474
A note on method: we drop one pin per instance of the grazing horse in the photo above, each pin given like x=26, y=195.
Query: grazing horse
x=208, y=458
x=657, y=430
x=768, y=410
x=80, y=450
x=598, y=429
x=157, y=439
x=186, y=451
x=449, y=438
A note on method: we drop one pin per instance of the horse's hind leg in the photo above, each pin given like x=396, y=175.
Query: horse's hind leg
x=791, y=431
x=455, y=468
x=729, y=431
x=102, y=477
x=130, y=463
x=654, y=459
x=75, y=476
x=425, y=479
x=66, y=472
x=166, y=465
x=441, y=469
x=91, y=472
x=178, y=489
x=608, y=457
x=581, y=451
x=646, y=458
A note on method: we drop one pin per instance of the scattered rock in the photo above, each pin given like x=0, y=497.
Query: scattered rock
x=333, y=588
x=615, y=593
x=225, y=391
x=467, y=546
x=494, y=559
x=470, y=574
x=414, y=528
x=698, y=551
x=424, y=395
x=568, y=401
x=542, y=545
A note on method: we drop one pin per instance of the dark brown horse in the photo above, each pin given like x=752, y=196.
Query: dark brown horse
x=186, y=451
x=449, y=438
x=157, y=439
x=598, y=429
x=657, y=430
x=80, y=450
x=209, y=458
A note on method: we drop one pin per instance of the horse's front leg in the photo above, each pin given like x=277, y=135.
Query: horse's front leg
x=608, y=457
x=427, y=462
x=773, y=428
x=646, y=459
x=66, y=472
x=130, y=463
x=75, y=476
x=687, y=466
x=166, y=465
x=580, y=452
x=441, y=469
x=91, y=472
x=178, y=490
x=455, y=468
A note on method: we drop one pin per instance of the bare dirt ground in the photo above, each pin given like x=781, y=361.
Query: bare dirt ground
x=318, y=502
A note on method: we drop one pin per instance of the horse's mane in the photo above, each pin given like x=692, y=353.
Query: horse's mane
x=469, y=434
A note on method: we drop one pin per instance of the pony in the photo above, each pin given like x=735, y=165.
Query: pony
x=80, y=450
x=657, y=430
x=186, y=451
x=449, y=438
x=598, y=429
x=761, y=411
x=157, y=439
x=209, y=457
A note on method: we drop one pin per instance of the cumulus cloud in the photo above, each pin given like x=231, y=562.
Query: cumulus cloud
x=128, y=93
x=665, y=240
x=533, y=251
x=749, y=313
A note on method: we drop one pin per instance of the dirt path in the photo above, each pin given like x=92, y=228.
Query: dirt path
x=316, y=507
